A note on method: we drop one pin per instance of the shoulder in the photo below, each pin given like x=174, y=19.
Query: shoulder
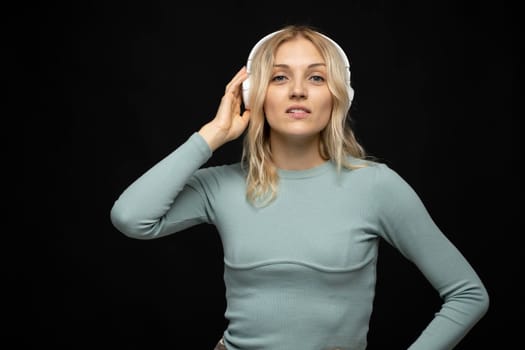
x=378, y=175
x=220, y=174
x=224, y=170
x=369, y=168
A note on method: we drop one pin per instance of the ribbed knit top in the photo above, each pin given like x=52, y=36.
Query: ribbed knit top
x=300, y=273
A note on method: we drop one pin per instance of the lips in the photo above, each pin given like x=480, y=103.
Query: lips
x=298, y=112
x=297, y=109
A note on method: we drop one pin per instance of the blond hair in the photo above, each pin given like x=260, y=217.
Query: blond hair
x=338, y=141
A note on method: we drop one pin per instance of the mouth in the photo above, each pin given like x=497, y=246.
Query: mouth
x=297, y=112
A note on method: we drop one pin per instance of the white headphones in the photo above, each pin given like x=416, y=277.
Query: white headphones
x=246, y=83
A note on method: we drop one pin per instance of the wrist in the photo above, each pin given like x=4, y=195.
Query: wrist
x=212, y=135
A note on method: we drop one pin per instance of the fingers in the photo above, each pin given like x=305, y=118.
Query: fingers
x=239, y=124
x=246, y=116
x=228, y=123
x=233, y=86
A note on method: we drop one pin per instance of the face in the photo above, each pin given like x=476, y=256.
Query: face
x=298, y=102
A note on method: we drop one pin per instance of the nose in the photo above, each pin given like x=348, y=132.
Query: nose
x=298, y=90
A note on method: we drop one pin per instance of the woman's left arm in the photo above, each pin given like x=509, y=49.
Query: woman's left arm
x=406, y=224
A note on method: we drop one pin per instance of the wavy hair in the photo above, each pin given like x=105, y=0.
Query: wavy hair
x=338, y=141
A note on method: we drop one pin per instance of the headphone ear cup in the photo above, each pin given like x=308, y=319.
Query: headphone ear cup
x=350, y=94
x=349, y=88
x=246, y=83
x=246, y=92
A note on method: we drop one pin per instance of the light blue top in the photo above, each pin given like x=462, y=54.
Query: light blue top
x=300, y=273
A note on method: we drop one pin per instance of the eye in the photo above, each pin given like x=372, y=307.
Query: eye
x=278, y=78
x=317, y=78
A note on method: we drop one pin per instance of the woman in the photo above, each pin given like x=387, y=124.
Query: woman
x=301, y=215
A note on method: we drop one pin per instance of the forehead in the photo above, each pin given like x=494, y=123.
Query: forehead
x=297, y=50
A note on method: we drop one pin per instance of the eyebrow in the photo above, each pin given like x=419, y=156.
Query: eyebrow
x=313, y=65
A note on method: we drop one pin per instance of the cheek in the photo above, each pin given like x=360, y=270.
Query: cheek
x=325, y=107
x=272, y=103
x=273, y=95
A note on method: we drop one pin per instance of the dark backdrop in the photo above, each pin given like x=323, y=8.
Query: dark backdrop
x=119, y=85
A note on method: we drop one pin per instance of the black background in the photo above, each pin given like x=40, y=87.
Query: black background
x=119, y=85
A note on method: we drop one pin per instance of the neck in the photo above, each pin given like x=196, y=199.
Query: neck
x=290, y=153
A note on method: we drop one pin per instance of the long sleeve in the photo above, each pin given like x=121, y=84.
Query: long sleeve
x=407, y=225
x=160, y=202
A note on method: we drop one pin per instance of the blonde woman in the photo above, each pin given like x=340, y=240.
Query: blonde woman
x=301, y=214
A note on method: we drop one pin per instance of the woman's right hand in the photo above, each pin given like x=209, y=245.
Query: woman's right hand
x=228, y=123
